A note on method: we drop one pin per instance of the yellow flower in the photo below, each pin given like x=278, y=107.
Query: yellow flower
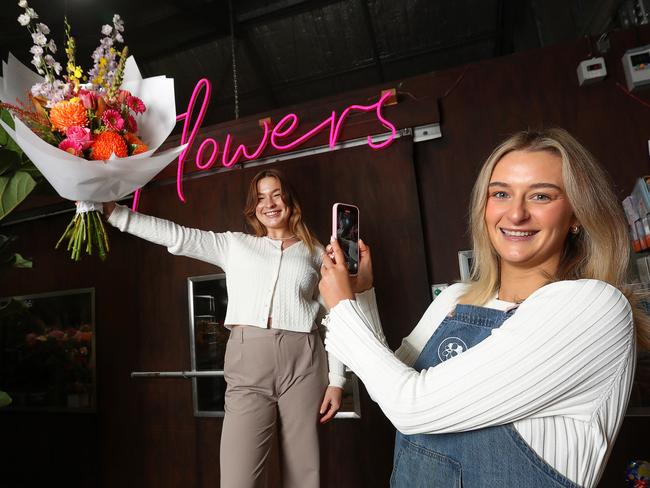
x=77, y=72
x=102, y=61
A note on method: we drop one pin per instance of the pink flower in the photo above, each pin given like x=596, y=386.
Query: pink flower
x=88, y=99
x=80, y=135
x=70, y=146
x=56, y=334
x=135, y=104
x=113, y=120
x=132, y=125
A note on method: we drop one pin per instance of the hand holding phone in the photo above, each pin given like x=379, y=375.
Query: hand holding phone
x=345, y=226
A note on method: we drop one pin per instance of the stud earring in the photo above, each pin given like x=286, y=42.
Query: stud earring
x=575, y=229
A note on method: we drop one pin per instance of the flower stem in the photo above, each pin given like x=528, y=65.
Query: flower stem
x=85, y=231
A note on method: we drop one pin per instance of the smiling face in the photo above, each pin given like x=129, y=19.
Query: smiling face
x=271, y=210
x=528, y=214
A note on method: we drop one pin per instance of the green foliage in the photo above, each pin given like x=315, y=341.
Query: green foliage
x=4, y=399
x=13, y=190
x=10, y=258
x=18, y=178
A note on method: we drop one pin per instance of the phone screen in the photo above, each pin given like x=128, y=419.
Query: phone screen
x=347, y=233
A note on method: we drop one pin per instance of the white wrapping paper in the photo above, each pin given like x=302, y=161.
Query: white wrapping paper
x=76, y=178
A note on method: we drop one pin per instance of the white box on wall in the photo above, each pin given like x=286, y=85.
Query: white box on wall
x=465, y=261
x=591, y=71
x=437, y=289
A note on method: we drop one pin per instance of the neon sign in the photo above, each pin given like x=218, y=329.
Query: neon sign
x=276, y=136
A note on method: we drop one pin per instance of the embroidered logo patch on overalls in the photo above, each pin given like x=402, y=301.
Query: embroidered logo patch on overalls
x=450, y=347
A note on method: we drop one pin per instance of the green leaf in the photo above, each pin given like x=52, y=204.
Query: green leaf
x=4, y=137
x=12, y=146
x=9, y=161
x=8, y=257
x=6, y=117
x=6, y=141
x=21, y=262
x=13, y=190
x=5, y=242
x=32, y=170
x=4, y=399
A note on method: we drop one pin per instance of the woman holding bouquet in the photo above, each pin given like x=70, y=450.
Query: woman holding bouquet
x=275, y=365
x=521, y=376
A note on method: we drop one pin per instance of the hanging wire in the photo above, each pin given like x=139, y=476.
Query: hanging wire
x=234, y=59
x=632, y=95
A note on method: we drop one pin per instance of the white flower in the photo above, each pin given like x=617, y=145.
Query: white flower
x=37, y=60
x=22, y=4
x=43, y=28
x=107, y=29
x=39, y=39
x=49, y=60
x=24, y=19
x=51, y=46
x=31, y=12
x=36, y=50
x=118, y=23
x=119, y=38
x=57, y=68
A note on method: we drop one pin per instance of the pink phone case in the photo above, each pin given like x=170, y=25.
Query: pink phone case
x=335, y=224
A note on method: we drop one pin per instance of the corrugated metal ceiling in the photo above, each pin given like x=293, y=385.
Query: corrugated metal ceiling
x=291, y=51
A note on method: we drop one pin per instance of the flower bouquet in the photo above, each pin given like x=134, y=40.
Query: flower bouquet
x=93, y=135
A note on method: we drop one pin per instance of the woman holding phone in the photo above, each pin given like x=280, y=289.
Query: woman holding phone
x=521, y=376
x=275, y=366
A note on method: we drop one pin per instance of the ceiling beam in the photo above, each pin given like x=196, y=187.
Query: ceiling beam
x=282, y=9
x=458, y=43
x=372, y=37
x=259, y=66
x=601, y=17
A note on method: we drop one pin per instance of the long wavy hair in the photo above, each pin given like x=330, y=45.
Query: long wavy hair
x=601, y=250
x=297, y=225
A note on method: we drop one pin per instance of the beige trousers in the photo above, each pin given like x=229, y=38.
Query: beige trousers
x=275, y=378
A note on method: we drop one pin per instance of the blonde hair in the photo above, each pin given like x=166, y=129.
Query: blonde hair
x=600, y=250
x=296, y=224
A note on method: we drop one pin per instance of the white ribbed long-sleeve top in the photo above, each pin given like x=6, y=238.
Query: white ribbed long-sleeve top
x=262, y=279
x=560, y=369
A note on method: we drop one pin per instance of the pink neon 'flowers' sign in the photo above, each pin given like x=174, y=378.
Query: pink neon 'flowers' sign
x=276, y=136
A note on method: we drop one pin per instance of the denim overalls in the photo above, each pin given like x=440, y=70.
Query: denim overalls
x=493, y=457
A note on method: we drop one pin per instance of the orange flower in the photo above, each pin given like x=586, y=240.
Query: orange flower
x=107, y=143
x=140, y=148
x=68, y=114
x=136, y=142
x=131, y=138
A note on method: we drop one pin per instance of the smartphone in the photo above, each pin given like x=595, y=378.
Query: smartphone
x=345, y=226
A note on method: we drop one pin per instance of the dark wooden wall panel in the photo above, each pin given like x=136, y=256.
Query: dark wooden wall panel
x=499, y=97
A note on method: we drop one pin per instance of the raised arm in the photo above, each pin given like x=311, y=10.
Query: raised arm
x=206, y=246
x=560, y=352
